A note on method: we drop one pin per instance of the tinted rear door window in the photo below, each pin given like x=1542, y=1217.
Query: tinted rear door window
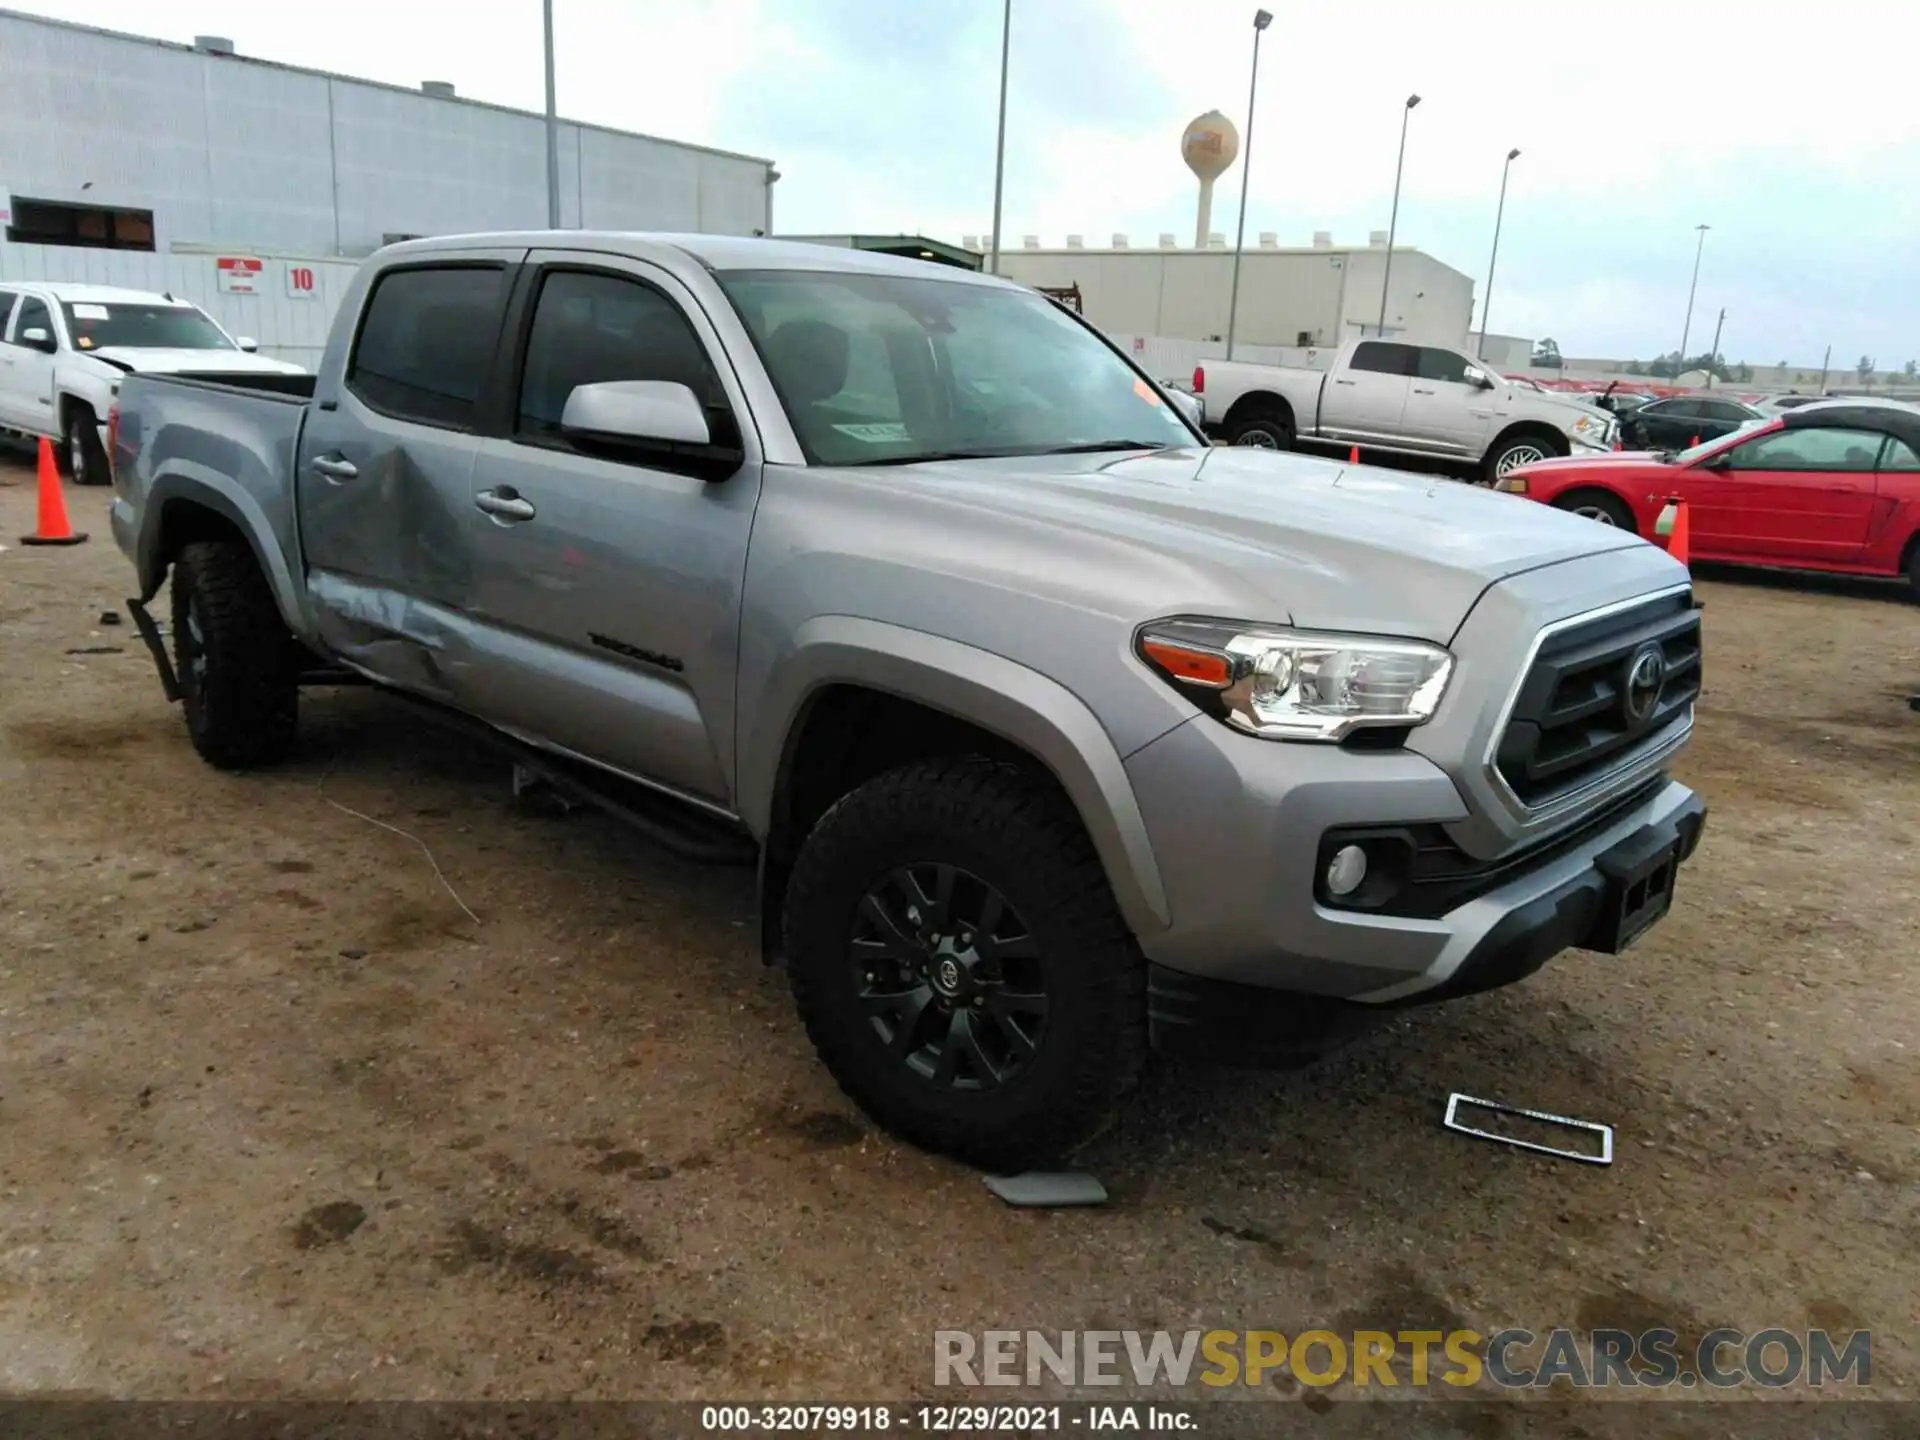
x=1383, y=359
x=427, y=342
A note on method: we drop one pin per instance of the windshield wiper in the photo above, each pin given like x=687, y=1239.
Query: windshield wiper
x=927, y=457
x=1090, y=446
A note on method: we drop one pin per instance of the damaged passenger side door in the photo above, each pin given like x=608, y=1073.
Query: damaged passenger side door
x=384, y=469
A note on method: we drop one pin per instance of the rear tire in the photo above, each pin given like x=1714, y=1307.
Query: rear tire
x=1026, y=973
x=82, y=457
x=1262, y=431
x=235, y=660
x=1913, y=568
x=1599, y=506
x=1520, y=450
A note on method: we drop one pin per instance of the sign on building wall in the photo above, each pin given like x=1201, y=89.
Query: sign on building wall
x=302, y=283
x=238, y=274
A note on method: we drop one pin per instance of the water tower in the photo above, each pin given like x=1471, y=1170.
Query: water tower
x=1209, y=147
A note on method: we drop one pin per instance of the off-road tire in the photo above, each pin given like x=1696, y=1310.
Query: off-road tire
x=243, y=713
x=1016, y=831
x=82, y=432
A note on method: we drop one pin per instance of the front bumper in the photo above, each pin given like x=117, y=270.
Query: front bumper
x=1255, y=966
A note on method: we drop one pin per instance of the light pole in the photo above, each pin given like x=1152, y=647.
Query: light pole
x=1687, y=330
x=1261, y=19
x=553, y=131
x=1486, y=302
x=1713, y=355
x=1000, y=145
x=1393, y=222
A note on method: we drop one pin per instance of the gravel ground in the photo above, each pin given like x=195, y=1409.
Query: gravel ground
x=279, y=1119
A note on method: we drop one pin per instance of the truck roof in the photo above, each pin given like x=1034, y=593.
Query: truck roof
x=715, y=252
x=92, y=294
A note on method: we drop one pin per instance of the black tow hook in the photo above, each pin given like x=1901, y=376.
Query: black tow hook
x=150, y=632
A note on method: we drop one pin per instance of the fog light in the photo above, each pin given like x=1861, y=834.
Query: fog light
x=1346, y=870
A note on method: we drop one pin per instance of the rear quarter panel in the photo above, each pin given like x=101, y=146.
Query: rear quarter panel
x=182, y=443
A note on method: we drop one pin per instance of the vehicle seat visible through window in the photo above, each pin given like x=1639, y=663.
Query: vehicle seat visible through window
x=808, y=360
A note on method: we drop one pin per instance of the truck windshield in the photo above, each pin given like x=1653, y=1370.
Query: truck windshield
x=143, y=327
x=888, y=369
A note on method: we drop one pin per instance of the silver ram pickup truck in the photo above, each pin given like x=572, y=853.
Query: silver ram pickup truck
x=1389, y=396
x=1055, y=733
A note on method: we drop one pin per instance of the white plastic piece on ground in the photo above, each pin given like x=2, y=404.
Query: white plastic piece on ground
x=1048, y=1189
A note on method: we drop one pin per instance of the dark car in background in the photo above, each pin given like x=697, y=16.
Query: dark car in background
x=1620, y=403
x=1681, y=421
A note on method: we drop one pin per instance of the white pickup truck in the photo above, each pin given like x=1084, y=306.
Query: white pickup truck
x=1409, y=399
x=63, y=349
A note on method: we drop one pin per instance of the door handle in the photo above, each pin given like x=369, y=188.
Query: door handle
x=1343, y=382
x=334, y=468
x=1418, y=391
x=504, y=504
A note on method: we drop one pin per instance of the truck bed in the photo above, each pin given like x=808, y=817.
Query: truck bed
x=294, y=388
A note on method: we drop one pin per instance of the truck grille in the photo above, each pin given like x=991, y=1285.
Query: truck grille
x=1598, y=694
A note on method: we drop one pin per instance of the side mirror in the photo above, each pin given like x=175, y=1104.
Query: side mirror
x=658, y=420
x=246, y=343
x=37, y=337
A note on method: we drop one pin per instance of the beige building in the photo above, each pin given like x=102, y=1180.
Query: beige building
x=1313, y=296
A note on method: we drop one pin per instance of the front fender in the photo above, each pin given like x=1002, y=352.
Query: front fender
x=1020, y=705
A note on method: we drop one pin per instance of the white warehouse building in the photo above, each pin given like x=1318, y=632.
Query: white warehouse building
x=253, y=188
x=1310, y=297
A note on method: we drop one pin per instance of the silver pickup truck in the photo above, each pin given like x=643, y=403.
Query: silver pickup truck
x=1055, y=733
x=1386, y=395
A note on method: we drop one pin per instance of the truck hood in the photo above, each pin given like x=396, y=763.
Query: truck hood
x=144, y=361
x=1551, y=401
x=1315, y=543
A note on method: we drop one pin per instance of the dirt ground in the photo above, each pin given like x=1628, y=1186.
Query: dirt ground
x=277, y=1119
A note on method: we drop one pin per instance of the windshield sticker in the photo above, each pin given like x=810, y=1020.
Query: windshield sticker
x=882, y=434
x=85, y=342
x=1145, y=392
x=91, y=312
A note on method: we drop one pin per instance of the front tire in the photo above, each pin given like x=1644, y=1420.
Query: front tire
x=234, y=658
x=1600, y=507
x=1520, y=450
x=960, y=964
x=82, y=455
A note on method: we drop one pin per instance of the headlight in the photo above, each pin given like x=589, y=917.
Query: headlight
x=1590, y=427
x=1295, y=684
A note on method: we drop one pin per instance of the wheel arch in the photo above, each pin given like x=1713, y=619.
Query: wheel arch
x=1569, y=497
x=183, y=510
x=1259, y=405
x=1528, y=429
x=858, y=696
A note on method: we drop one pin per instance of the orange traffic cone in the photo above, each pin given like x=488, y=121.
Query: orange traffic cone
x=1353, y=458
x=54, y=528
x=1672, y=527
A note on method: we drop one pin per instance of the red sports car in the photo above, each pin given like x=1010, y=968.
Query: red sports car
x=1830, y=486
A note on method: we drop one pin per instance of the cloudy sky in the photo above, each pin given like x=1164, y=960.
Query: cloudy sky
x=1793, y=134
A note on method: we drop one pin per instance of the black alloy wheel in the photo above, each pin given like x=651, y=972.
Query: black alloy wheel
x=951, y=978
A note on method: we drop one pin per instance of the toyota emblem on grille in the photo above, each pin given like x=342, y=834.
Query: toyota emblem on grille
x=1646, y=674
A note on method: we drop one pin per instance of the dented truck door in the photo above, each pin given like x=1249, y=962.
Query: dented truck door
x=383, y=474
